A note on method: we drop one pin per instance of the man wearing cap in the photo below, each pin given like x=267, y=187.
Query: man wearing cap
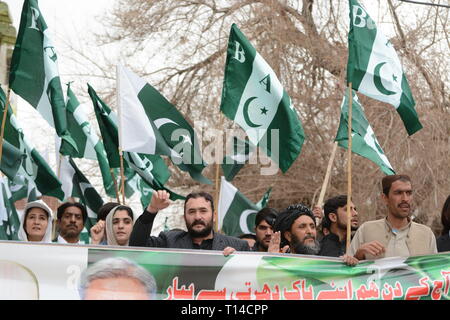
x=396, y=235
x=296, y=228
x=71, y=217
x=36, y=223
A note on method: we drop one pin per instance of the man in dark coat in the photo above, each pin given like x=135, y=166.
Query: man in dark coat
x=198, y=215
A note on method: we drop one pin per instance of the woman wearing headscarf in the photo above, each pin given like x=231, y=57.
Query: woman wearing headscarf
x=36, y=223
x=116, y=229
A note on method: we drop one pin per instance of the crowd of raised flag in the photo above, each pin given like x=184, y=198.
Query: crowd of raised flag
x=129, y=155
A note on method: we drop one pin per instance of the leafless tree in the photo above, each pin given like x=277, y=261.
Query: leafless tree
x=179, y=46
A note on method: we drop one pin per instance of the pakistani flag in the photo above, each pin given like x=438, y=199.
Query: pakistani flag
x=9, y=219
x=265, y=199
x=149, y=124
x=233, y=163
x=364, y=141
x=146, y=192
x=11, y=159
x=76, y=185
x=374, y=68
x=34, y=174
x=151, y=168
x=34, y=72
x=236, y=212
x=254, y=98
x=88, y=143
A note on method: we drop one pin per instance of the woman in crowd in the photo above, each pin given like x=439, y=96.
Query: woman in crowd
x=116, y=230
x=443, y=242
x=36, y=223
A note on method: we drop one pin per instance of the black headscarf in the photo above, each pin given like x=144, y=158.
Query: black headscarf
x=286, y=219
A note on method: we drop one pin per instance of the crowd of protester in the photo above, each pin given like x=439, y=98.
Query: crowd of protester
x=294, y=230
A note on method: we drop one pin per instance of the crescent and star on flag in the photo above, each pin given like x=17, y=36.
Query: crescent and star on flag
x=377, y=78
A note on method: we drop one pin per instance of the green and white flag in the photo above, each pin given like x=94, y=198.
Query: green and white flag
x=374, y=68
x=146, y=192
x=76, y=185
x=88, y=143
x=364, y=141
x=9, y=219
x=233, y=163
x=151, y=168
x=11, y=159
x=254, y=98
x=265, y=199
x=236, y=213
x=34, y=173
x=149, y=124
x=34, y=72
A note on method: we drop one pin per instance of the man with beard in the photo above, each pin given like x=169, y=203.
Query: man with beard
x=396, y=235
x=198, y=215
x=296, y=228
x=71, y=217
x=264, y=220
x=335, y=209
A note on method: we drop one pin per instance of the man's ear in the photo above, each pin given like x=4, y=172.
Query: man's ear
x=287, y=235
x=384, y=198
x=332, y=216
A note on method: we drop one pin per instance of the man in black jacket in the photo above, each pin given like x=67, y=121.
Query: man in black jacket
x=335, y=209
x=198, y=215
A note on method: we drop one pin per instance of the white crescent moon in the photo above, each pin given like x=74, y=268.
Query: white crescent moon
x=243, y=220
x=162, y=121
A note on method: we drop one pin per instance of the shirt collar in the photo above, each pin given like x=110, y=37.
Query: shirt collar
x=390, y=228
x=62, y=240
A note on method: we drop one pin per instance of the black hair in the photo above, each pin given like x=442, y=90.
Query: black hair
x=127, y=209
x=286, y=219
x=62, y=208
x=331, y=206
x=445, y=216
x=105, y=209
x=266, y=214
x=195, y=195
x=387, y=181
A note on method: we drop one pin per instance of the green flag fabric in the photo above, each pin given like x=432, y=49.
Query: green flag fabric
x=76, y=185
x=34, y=173
x=151, y=168
x=233, y=163
x=236, y=213
x=254, y=98
x=149, y=124
x=364, y=141
x=11, y=159
x=88, y=143
x=374, y=68
x=265, y=199
x=9, y=219
x=34, y=72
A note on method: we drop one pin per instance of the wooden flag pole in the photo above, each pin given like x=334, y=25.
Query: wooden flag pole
x=58, y=174
x=217, y=187
x=5, y=114
x=116, y=189
x=216, y=199
x=349, y=173
x=122, y=175
x=119, y=110
x=327, y=176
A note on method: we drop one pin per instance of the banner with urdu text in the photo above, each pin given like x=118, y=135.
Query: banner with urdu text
x=52, y=271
